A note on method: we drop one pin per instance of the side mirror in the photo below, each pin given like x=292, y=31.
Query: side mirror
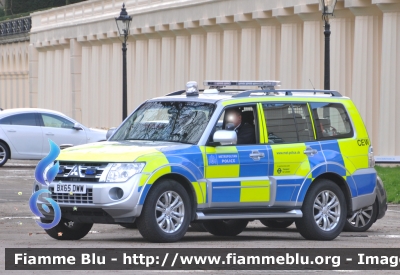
x=110, y=132
x=77, y=127
x=225, y=137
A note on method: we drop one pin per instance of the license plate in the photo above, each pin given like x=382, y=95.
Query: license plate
x=70, y=187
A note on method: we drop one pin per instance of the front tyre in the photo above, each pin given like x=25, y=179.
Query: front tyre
x=166, y=213
x=68, y=230
x=324, y=212
x=225, y=227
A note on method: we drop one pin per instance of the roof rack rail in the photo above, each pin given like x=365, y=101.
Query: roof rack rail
x=218, y=84
x=176, y=93
x=287, y=92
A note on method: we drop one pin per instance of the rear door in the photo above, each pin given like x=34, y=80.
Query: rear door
x=24, y=134
x=291, y=140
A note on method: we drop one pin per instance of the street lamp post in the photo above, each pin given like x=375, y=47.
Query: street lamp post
x=328, y=6
x=123, y=22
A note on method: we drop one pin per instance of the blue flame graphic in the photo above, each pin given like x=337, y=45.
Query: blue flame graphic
x=36, y=211
x=45, y=180
x=45, y=162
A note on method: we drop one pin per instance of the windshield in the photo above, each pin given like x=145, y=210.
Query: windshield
x=166, y=121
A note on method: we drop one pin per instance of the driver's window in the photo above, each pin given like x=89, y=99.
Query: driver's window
x=241, y=120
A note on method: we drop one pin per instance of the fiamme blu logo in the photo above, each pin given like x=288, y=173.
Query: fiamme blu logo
x=45, y=172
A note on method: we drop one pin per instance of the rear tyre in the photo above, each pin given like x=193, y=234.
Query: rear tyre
x=278, y=224
x=225, y=227
x=129, y=225
x=363, y=219
x=324, y=212
x=68, y=230
x=198, y=226
x=4, y=153
x=166, y=213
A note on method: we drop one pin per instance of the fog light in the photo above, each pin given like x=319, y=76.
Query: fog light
x=116, y=193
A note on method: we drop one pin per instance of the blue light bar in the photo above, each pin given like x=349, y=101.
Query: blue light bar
x=267, y=84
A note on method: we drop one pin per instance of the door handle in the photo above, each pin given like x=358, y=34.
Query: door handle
x=310, y=151
x=49, y=134
x=11, y=131
x=256, y=156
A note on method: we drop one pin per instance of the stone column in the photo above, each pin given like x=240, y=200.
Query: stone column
x=389, y=111
x=213, y=49
x=342, y=48
x=167, y=81
x=313, y=67
x=367, y=64
x=85, y=78
x=182, y=56
x=291, y=59
x=230, y=47
x=270, y=46
x=249, y=46
x=197, y=52
x=154, y=61
x=76, y=77
x=141, y=69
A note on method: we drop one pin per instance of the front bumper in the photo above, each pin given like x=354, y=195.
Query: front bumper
x=99, y=204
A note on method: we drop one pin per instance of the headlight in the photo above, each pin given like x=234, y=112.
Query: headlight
x=120, y=172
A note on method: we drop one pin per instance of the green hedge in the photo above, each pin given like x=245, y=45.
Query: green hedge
x=13, y=7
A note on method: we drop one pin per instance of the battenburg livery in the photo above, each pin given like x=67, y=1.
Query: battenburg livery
x=177, y=160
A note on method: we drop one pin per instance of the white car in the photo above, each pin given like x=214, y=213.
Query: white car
x=24, y=133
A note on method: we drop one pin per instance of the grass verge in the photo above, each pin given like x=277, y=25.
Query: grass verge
x=391, y=180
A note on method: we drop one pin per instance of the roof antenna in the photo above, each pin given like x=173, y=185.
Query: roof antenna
x=312, y=85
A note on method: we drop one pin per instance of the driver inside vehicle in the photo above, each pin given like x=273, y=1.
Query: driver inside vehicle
x=245, y=130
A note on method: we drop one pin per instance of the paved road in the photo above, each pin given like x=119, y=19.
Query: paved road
x=19, y=230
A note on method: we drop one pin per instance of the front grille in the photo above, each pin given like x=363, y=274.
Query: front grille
x=73, y=199
x=89, y=172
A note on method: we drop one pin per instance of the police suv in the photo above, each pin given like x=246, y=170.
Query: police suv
x=176, y=160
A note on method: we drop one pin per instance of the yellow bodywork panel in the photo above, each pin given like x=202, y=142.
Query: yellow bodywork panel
x=254, y=191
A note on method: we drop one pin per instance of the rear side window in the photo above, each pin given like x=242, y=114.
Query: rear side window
x=27, y=119
x=288, y=122
x=331, y=121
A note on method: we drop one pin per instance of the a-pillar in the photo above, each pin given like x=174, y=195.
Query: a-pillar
x=270, y=45
x=182, y=55
x=230, y=47
x=167, y=84
x=342, y=47
x=367, y=64
x=389, y=118
x=291, y=47
x=197, y=52
x=313, y=67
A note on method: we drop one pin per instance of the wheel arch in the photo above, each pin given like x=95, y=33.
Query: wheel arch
x=182, y=180
x=8, y=147
x=341, y=182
